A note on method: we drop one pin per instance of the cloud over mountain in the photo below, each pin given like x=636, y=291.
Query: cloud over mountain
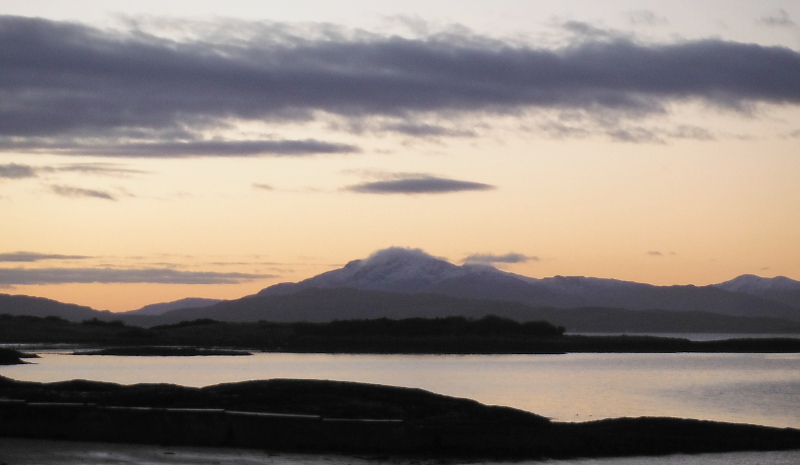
x=77, y=89
x=491, y=259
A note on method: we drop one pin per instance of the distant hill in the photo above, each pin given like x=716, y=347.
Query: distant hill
x=325, y=305
x=160, y=308
x=778, y=289
x=406, y=283
x=41, y=307
x=413, y=271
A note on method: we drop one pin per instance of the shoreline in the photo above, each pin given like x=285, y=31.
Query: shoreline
x=312, y=416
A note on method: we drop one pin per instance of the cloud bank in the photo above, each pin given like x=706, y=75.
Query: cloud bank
x=41, y=276
x=75, y=89
x=78, y=192
x=22, y=171
x=418, y=184
x=27, y=257
x=491, y=259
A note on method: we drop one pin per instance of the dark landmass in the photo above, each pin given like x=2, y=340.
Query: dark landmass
x=346, y=303
x=452, y=335
x=161, y=351
x=332, y=416
x=13, y=357
x=296, y=304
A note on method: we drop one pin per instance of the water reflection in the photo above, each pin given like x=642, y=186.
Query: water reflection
x=743, y=388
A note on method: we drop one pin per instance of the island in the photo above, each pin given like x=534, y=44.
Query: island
x=13, y=357
x=345, y=417
x=450, y=335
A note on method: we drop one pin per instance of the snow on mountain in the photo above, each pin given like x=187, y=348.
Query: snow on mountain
x=756, y=285
x=405, y=270
x=395, y=269
x=778, y=289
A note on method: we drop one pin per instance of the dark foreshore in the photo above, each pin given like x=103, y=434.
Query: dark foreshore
x=346, y=417
x=13, y=357
x=451, y=335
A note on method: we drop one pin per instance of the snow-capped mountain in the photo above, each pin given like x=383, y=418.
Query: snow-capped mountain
x=756, y=285
x=414, y=271
x=779, y=289
x=395, y=269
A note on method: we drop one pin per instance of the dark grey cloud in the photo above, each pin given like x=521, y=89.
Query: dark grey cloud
x=778, y=18
x=215, y=148
x=69, y=191
x=428, y=130
x=111, y=93
x=19, y=171
x=418, y=184
x=658, y=253
x=40, y=276
x=645, y=18
x=16, y=171
x=27, y=257
x=490, y=259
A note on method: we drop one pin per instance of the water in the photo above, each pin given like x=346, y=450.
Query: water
x=704, y=336
x=744, y=388
x=43, y=452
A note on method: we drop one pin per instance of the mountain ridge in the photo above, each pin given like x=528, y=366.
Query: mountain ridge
x=401, y=283
x=413, y=271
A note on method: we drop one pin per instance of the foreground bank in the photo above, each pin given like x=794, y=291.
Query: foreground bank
x=326, y=416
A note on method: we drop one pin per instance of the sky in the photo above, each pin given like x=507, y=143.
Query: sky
x=151, y=150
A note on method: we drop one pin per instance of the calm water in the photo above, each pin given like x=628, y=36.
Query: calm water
x=35, y=452
x=745, y=388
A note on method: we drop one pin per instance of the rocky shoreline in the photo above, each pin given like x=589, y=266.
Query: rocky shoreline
x=343, y=417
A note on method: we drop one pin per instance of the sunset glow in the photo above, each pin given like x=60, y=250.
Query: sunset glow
x=151, y=151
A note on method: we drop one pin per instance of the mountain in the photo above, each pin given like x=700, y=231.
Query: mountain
x=41, y=307
x=161, y=308
x=345, y=303
x=778, y=289
x=413, y=271
x=405, y=283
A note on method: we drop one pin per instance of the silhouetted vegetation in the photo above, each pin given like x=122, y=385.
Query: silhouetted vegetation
x=162, y=351
x=456, y=335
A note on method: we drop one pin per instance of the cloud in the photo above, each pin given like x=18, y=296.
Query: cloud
x=77, y=192
x=265, y=187
x=42, y=276
x=658, y=254
x=215, y=148
x=491, y=259
x=16, y=171
x=26, y=257
x=428, y=130
x=645, y=18
x=81, y=90
x=19, y=171
x=418, y=184
x=777, y=18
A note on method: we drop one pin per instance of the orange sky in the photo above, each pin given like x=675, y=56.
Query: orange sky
x=623, y=178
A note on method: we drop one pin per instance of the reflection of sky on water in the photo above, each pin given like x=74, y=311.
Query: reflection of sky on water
x=42, y=452
x=749, y=388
